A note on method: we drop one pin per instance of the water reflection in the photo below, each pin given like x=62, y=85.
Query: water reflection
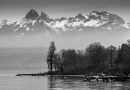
x=51, y=83
x=57, y=83
x=69, y=83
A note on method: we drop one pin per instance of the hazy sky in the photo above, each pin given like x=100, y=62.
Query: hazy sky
x=16, y=9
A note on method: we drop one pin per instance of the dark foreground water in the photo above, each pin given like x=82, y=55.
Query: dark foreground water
x=45, y=83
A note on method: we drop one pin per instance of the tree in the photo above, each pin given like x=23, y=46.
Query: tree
x=69, y=57
x=123, y=59
x=59, y=62
x=111, y=51
x=51, y=56
x=125, y=55
x=96, y=53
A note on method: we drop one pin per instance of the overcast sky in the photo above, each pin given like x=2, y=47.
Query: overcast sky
x=16, y=9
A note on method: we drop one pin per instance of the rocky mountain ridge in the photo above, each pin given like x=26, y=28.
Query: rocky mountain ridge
x=34, y=22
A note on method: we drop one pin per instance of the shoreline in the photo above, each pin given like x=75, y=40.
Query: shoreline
x=56, y=75
x=104, y=78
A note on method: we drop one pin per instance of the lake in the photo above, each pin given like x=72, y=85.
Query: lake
x=10, y=82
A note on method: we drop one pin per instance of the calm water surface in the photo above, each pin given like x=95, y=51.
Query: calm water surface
x=45, y=83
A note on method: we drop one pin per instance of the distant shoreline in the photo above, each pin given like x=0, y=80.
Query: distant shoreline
x=37, y=74
x=48, y=74
x=42, y=75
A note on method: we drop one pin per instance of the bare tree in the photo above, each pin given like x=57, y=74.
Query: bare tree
x=111, y=51
x=51, y=56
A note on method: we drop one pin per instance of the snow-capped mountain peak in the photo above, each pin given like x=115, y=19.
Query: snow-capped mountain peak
x=127, y=25
x=32, y=14
x=80, y=16
x=35, y=22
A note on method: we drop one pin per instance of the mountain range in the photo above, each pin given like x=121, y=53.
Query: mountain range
x=34, y=22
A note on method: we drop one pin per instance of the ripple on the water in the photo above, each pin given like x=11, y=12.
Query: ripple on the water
x=45, y=83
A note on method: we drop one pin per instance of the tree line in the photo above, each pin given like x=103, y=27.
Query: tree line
x=94, y=59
